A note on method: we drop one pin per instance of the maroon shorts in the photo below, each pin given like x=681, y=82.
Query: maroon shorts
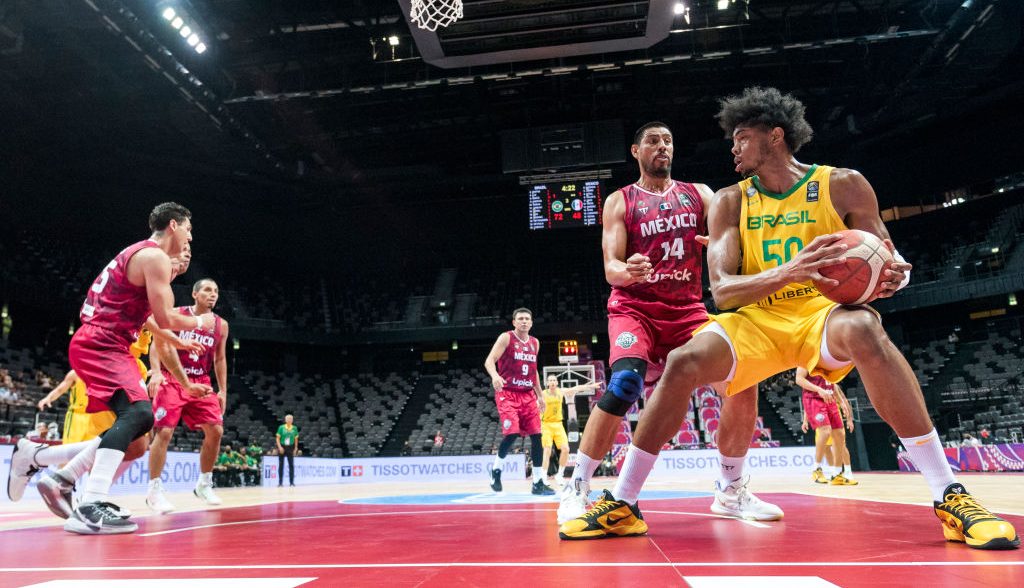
x=821, y=413
x=101, y=359
x=648, y=330
x=173, y=403
x=518, y=413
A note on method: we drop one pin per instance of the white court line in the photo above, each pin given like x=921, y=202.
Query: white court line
x=757, y=524
x=334, y=516
x=520, y=564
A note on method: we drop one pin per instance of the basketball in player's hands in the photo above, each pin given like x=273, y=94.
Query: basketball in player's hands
x=861, y=276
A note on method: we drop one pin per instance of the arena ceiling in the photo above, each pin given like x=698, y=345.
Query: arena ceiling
x=312, y=97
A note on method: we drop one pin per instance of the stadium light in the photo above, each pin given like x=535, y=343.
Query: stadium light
x=455, y=345
x=193, y=40
x=177, y=22
x=169, y=13
x=593, y=339
x=723, y=4
x=679, y=8
x=185, y=31
x=393, y=40
x=201, y=48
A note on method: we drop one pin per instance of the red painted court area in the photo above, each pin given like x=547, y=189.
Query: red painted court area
x=821, y=542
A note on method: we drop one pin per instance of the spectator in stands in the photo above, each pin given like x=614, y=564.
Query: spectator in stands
x=438, y=442
x=970, y=441
x=227, y=466
x=406, y=448
x=255, y=449
x=986, y=436
x=287, y=440
x=52, y=432
x=953, y=338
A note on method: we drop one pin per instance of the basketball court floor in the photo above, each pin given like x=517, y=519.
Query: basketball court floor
x=880, y=533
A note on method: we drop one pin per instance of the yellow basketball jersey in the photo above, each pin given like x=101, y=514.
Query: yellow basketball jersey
x=775, y=227
x=77, y=398
x=141, y=347
x=552, y=406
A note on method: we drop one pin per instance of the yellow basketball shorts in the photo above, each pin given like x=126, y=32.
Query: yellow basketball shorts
x=553, y=432
x=768, y=340
x=82, y=426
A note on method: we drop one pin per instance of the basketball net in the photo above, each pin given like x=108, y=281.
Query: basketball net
x=430, y=14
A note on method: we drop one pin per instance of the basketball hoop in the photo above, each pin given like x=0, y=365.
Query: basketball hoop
x=430, y=14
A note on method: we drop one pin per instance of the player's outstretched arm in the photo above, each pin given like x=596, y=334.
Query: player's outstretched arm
x=731, y=289
x=803, y=382
x=60, y=390
x=618, y=270
x=491, y=363
x=856, y=203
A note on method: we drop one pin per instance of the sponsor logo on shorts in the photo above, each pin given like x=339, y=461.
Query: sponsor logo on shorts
x=626, y=340
x=160, y=413
x=506, y=423
x=820, y=417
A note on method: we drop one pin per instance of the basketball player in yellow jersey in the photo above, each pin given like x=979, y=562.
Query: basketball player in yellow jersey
x=551, y=428
x=78, y=424
x=770, y=235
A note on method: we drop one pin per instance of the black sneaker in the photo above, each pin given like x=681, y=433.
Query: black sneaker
x=56, y=491
x=98, y=518
x=496, y=480
x=542, y=489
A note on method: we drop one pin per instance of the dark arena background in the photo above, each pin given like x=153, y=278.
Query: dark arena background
x=374, y=199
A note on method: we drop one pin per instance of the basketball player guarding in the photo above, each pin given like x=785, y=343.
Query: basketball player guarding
x=652, y=260
x=551, y=429
x=172, y=403
x=764, y=268
x=821, y=413
x=131, y=287
x=56, y=487
x=512, y=365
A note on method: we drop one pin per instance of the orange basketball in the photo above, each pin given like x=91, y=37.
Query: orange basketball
x=860, y=277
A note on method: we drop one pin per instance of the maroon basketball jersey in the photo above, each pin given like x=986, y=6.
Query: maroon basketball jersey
x=821, y=382
x=518, y=364
x=663, y=227
x=115, y=304
x=198, y=367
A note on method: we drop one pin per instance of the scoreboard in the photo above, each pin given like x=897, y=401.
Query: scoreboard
x=558, y=205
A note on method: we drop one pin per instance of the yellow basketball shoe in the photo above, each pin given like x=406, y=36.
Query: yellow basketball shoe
x=841, y=480
x=819, y=476
x=966, y=521
x=607, y=518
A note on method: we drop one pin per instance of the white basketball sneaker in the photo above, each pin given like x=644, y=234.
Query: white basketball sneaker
x=155, y=498
x=574, y=501
x=206, y=494
x=736, y=501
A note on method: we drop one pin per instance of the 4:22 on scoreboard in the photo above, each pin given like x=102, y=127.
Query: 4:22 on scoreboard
x=565, y=204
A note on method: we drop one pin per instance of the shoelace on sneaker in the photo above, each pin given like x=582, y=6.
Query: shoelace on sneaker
x=965, y=507
x=600, y=507
x=106, y=510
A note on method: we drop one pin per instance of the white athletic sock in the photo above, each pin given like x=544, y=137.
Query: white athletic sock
x=205, y=479
x=101, y=476
x=731, y=469
x=498, y=463
x=57, y=454
x=585, y=467
x=80, y=464
x=121, y=469
x=538, y=473
x=926, y=453
x=635, y=469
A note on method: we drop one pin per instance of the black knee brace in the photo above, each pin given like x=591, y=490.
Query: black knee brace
x=536, y=450
x=134, y=419
x=625, y=386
